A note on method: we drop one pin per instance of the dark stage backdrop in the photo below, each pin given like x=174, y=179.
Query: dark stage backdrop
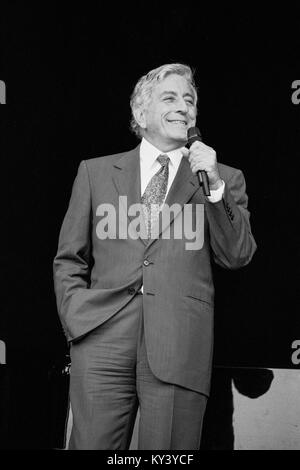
x=69, y=74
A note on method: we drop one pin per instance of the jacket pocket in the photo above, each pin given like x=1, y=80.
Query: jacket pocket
x=199, y=298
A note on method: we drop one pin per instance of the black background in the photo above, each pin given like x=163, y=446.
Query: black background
x=69, y=73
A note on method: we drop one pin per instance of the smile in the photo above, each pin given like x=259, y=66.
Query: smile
x=182, y=123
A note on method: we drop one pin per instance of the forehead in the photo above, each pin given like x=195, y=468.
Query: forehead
x=175, y=83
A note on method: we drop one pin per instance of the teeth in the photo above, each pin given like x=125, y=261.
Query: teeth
x=179, y=122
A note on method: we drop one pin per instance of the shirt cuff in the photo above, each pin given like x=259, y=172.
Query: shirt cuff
x=217, y=194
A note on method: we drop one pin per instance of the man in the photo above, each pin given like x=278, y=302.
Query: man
x=137, y=305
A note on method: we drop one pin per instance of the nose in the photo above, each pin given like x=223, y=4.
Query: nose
x=182, y=106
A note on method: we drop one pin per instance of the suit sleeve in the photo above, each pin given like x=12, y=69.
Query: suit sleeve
x=71, y=267
x=231, y=240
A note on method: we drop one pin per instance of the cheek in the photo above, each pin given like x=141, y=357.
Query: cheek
x=151, y=120
x=193, y=114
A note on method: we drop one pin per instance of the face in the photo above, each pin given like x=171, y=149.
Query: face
x=172, y=110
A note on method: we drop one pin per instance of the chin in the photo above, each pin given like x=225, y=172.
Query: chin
x=179, y=135
x=178, y=143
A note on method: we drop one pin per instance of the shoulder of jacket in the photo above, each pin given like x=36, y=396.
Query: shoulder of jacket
x=227, y=172
x=105, y=161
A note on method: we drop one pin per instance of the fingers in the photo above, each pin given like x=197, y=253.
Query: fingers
x=200, y=157
x=197, y=166
x=201, y=152
x=201, y=148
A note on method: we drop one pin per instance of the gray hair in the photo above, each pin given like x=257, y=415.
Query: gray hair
x=142, y=92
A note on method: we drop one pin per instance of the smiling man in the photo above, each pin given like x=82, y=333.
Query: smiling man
x=171, y=110
x=138, y=311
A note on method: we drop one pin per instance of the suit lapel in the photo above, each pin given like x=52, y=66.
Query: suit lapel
x=127, y=179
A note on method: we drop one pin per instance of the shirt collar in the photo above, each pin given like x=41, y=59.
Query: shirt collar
x=149, y=154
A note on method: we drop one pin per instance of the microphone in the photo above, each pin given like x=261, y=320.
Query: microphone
x=193, y=134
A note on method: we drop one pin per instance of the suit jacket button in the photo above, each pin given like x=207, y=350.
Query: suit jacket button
x=146, y=262
x=131, y=291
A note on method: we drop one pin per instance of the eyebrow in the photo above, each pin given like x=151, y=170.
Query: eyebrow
x=173, y=93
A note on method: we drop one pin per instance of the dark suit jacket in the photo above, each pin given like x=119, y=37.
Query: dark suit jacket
x=95, y=279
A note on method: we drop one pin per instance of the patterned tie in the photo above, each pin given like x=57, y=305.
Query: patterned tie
x=155, y=193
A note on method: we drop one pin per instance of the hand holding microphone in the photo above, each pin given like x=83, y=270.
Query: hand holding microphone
x=203, y=161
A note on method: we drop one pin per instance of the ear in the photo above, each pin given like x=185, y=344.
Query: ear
x=140, y=117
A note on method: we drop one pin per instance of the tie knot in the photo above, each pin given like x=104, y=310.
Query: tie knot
x=163, y=160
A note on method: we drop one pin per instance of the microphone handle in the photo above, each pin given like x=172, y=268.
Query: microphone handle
x=203, y=180
x=202, y=175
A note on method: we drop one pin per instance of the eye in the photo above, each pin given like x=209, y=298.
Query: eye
x=169, y=99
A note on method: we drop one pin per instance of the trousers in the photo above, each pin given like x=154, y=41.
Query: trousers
x=110, y=378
